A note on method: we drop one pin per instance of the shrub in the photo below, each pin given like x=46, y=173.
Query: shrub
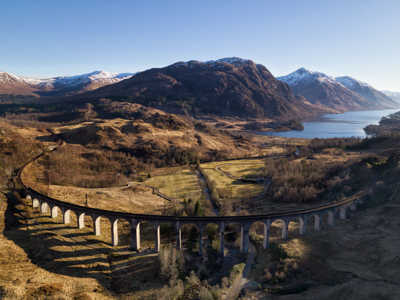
x=172, y=263
x=300, y=180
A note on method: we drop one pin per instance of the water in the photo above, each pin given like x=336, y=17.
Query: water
x=348, y=124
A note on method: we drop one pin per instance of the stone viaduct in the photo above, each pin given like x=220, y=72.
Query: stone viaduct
x=312, y=216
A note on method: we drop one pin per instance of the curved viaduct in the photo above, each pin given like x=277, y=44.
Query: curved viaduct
x=49, y=205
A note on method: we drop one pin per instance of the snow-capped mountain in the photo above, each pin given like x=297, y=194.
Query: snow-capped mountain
x=61, y=85
x=235, y=61
x=350, y=82
x=340, y=94
x=367, y=91
x=302, y=75
x=226, y=87
x=11, y=84
x=229, y=60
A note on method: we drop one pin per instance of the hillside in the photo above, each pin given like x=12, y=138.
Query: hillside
x=225, y=87
x=154, y=137
x=323, y=90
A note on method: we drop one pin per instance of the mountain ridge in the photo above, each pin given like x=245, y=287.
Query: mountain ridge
x=228, y=87
x=366, y=91
x=58, y=85
x=340, y=93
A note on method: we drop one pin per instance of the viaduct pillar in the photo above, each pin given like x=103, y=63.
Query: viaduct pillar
x=81, y=220
x=66, y=213
x=302, y=225
x=178, y=236
x=201, y=233
x=331, y=218
x=342, y=212
x=221, y=238
x=54, y=212
x=97, y=225
x=317, y=222
x=267, y=225
x=285, y=229
x=157, y=245
x=244, y=237
x=44, y=207
x=114, y=231
x=135, y=234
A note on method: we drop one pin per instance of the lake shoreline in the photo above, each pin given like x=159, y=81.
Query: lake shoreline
x=344, y=125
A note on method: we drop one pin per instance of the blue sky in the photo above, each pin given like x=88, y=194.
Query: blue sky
x=357, y=38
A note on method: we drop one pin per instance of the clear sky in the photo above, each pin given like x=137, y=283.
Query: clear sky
x=338, y=37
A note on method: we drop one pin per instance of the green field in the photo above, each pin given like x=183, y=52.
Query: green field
x=180, y=184
x=231, y=188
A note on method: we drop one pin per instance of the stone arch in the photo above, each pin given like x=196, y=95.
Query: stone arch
x=69, y=216
x=302, y=224
x=283, y=225
x=232, y=232
x=35, y=203
x=44, y=207
x=258, y=230
x=189, y=235
x=331, y=217
x=114, y=230
x=55, y=211
x=85, y=220
x=106, y=227
x=244, y=236
x=81, y=219
x=211, y=233
x=295, y=224
x=124, y=229
x=142, y=234
x=96, y=221
x=28, y=197
x=343, y=212
x=317, y=221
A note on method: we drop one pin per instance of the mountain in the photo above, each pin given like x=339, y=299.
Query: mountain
x=226, y=87
x=366, y=91
x=394, y=95
x=11, y=84
x=58, y=86
x=323, y=90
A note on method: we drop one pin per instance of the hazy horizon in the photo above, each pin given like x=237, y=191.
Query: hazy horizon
x=353, y=38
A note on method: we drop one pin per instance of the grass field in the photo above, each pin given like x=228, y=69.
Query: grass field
x=230, y=189
x=180, y=184
x=243, y=168
x=133, y=198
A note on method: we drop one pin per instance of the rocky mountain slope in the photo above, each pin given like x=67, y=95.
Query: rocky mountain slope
x=225, y=87
x=323, y=90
